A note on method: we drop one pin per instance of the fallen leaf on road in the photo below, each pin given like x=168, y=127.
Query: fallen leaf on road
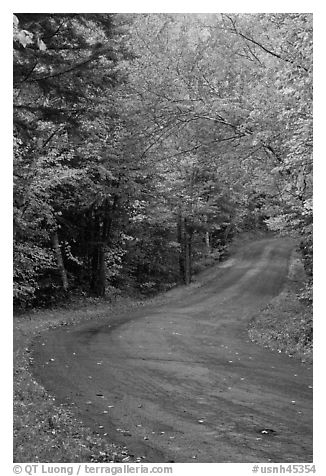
x=267, y=431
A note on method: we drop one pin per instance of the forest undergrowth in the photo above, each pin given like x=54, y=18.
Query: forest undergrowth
x=286, y=323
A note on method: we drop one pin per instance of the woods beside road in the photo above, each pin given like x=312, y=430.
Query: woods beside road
x=143, y=144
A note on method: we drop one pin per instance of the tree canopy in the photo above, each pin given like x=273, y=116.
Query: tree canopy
x=144, y=142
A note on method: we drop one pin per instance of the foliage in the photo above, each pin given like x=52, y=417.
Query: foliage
x=63, y=92
x=144, y=143
x=286, y=326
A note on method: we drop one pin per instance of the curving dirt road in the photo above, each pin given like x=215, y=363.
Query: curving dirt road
x=180, y=381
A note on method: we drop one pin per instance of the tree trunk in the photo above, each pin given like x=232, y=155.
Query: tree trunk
x=187, y=273
x=180, y=235
x=61, y=267
x=227, y=232
x=187, y=254
x=101, y=272
x=101, y=232
x=98, y=271
x=207, y=243
x=207, y=237
x=97, y=284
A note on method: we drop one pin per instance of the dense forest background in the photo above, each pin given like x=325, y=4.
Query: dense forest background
x=144, y=143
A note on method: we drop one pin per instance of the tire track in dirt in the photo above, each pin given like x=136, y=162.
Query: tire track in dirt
x=180, y=381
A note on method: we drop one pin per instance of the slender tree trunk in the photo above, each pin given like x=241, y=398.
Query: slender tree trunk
x=190, y=254
x=98, y=271
x=187, y=276
x=101, y=278
x=187, y=254
x=185, y=242
x=95, y=284
x=101, y=232
x=61, y=267
x=227, y=232
x=207, y=239
x=180, y=235
x=207, y=242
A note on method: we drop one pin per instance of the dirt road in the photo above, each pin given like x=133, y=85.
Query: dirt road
x=180, y=381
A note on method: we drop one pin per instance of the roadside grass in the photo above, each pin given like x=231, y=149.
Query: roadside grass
x=285, y=324
x=45, y=431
